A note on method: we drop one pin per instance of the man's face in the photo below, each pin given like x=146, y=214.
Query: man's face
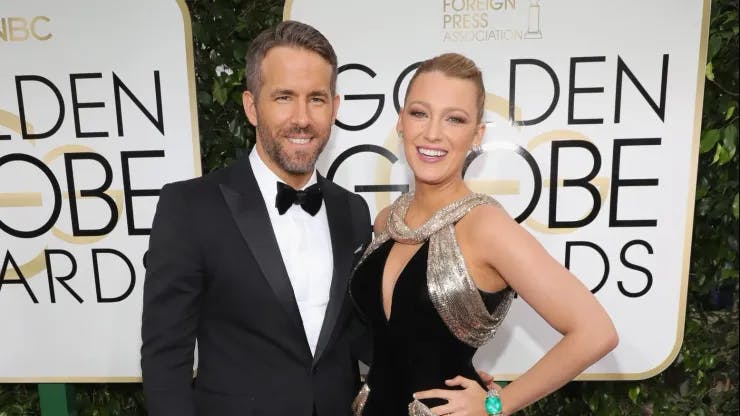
x=294, y=110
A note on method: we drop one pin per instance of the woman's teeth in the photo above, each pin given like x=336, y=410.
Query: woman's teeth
x=431, y=152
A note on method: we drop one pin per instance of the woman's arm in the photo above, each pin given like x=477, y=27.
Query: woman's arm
x=495, y=241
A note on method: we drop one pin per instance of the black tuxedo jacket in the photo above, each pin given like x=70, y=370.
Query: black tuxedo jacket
x=215, y=274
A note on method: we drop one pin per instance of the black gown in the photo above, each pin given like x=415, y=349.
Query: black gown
x=413, y=350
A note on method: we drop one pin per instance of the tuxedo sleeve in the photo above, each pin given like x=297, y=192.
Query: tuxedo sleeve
x=172, y=290
x=363, y=229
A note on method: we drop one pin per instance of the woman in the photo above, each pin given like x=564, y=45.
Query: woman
x=441, y=273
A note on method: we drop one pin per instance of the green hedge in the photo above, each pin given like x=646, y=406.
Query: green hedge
x=704, y=378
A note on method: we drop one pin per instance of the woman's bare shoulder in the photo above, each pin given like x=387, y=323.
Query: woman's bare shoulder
x=487, y=223
x=485, y=214
x=381, y=220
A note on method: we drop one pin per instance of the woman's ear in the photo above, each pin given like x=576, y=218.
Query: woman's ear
x=399, y=125
x=479, y=134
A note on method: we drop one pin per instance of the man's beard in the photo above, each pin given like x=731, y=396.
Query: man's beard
x=300, y=162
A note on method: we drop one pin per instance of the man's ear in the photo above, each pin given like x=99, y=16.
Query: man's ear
x=249, y=102
x=336, y=108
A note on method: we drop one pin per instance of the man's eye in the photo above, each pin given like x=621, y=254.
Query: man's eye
x=282, y=98
x=318, y=99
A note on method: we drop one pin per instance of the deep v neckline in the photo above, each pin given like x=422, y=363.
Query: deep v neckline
x=387, y=316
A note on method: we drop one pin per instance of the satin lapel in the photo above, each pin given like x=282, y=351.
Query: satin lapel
x=340, y=228
x=247, y=206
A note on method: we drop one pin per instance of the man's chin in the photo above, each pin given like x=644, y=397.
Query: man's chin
x=300, y=165
x=302, y=169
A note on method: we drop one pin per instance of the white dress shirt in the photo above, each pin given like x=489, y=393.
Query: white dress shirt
x=305, y=247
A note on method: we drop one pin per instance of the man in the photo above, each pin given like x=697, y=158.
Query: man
x=259, y=280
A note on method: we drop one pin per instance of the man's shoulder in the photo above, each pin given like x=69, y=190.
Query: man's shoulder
x=212, y=179
x=198, y=187
x=338, y=189
x=329, y=184
x=358, y=209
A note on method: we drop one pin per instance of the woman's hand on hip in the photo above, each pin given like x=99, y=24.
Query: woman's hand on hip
x=470, y=401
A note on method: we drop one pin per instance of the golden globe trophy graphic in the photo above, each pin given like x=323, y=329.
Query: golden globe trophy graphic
x=533, y=28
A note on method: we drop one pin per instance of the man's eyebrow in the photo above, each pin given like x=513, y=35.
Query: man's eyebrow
x=319, y=93
x=282, y=91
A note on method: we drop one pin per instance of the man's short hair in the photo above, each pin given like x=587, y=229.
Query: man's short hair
x=287, y=33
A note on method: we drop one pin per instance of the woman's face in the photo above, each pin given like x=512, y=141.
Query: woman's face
x=439, y=126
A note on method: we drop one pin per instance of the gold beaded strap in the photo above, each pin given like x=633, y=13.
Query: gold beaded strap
x=417, y=408
x=358, y=404
x=455, y=295
x=399, y=231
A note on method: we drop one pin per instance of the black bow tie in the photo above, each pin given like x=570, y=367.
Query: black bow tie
x=309, y=199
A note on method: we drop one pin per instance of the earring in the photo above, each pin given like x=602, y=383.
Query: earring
x=400, y=135
x=477, y=149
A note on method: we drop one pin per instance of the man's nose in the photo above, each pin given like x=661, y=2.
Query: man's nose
x=300, y=114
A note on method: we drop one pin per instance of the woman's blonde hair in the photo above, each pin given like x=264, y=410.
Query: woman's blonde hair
x=458, y=66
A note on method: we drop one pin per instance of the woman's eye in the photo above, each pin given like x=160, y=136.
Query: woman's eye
x=417, y=114
x=456, y=120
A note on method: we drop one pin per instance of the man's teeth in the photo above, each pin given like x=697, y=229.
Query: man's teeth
x=432, y=152
x=299, y=141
